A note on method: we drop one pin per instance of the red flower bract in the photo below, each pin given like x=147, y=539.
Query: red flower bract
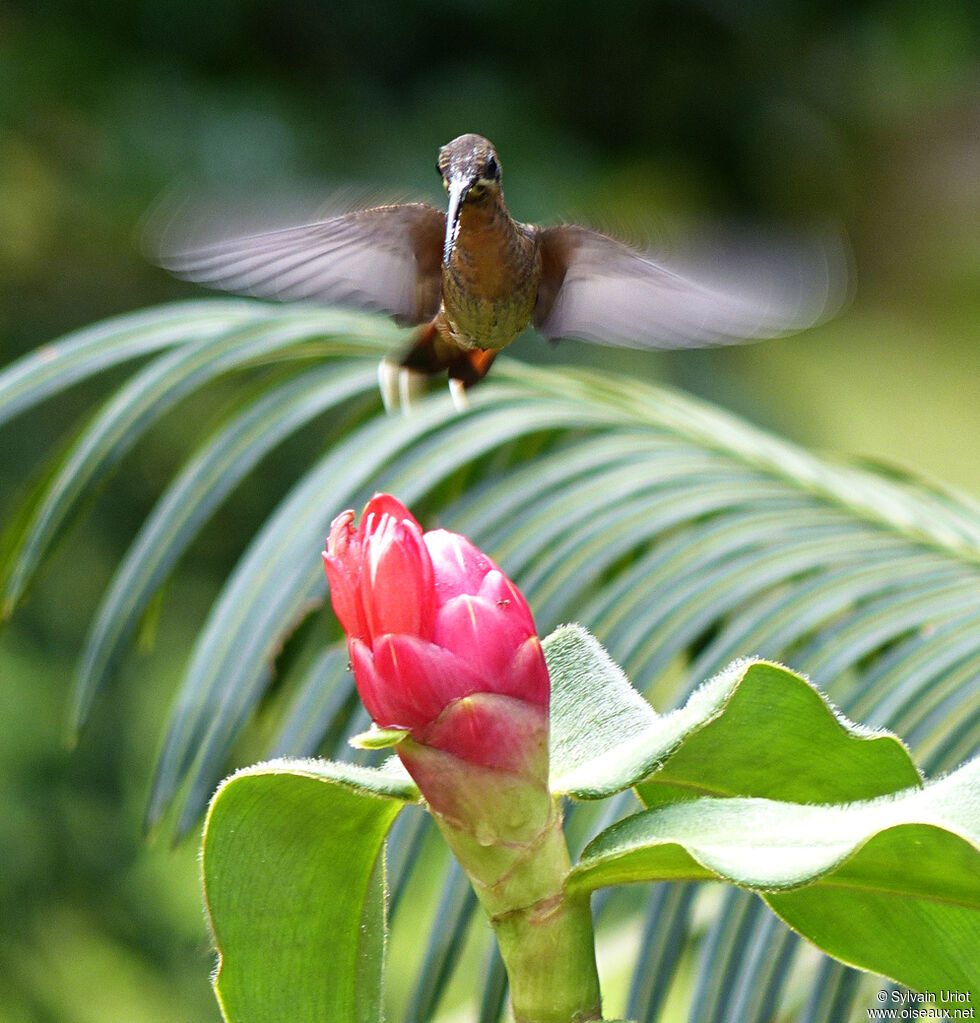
x=430, y=620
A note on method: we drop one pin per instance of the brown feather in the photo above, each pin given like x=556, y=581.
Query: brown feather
x=596, y=289
x=385, y=259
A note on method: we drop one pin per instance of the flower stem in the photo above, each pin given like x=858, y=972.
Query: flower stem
x=550, y=958
x=545, y=935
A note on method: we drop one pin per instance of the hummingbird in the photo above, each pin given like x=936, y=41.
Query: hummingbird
x=473, y=278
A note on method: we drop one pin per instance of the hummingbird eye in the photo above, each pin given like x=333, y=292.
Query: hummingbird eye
x=493, y=168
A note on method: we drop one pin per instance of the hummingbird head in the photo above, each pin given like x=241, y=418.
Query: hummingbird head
x=470, y=173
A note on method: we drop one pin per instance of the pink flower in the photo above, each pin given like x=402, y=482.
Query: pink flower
x=442, y=644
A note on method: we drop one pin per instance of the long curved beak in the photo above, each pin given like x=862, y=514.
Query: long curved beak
x=458, y=187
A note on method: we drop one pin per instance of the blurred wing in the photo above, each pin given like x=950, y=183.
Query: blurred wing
x=385, y=259
x=597, y=289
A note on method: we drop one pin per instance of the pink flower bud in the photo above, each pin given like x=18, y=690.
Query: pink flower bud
x=443, y=647
x=442, y=644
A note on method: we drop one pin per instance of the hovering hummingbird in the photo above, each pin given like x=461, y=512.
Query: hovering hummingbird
x=473, y=278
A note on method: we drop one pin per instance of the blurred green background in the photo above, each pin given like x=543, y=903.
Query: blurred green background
x=646, y=114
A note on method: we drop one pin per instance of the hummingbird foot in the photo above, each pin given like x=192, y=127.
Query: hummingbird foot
x=400, y=386
x=388, y=385
x=457, y=391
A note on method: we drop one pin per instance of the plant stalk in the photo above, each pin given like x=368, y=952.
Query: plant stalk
x=545, y=935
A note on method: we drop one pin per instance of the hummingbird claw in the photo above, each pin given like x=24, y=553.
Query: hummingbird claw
x=457, y=392
x=411, y=385
x=399, y=386
x=388, y=374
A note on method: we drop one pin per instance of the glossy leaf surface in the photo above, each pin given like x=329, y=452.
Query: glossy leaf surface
x=295, y=885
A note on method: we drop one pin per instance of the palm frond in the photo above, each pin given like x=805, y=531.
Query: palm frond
x=680, y=535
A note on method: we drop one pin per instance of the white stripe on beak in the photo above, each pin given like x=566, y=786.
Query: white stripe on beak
x=457, y=188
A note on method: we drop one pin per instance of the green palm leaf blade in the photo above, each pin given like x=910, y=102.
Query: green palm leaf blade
x=454, y=914
x=323, y=700
x=832, y=994
x=140, y=403
x=769, y=959
x=495, y=988
x=767, y=952
x=661, y=948
x=582, y=491
x=779, y=619
x=523, y=492
x=725, y=939
x=206, y=480
x=614, y=531
x=961, y=702
x=728, y=581
x=56, y=366
x=408, y=838
x=916, y=682
x=880, y=622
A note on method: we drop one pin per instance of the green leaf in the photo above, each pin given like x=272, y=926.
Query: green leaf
x=775, y=735
x=58, y=365
x=294, y=882
x=192, y=499
x=756, y=729
x=599, y=722
x=379, y=738
x=891, y=885
x=142, y=401
x=457, y=906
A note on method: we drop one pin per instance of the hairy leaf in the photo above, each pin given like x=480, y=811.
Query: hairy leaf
x=891, y=885
x=756, y=729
